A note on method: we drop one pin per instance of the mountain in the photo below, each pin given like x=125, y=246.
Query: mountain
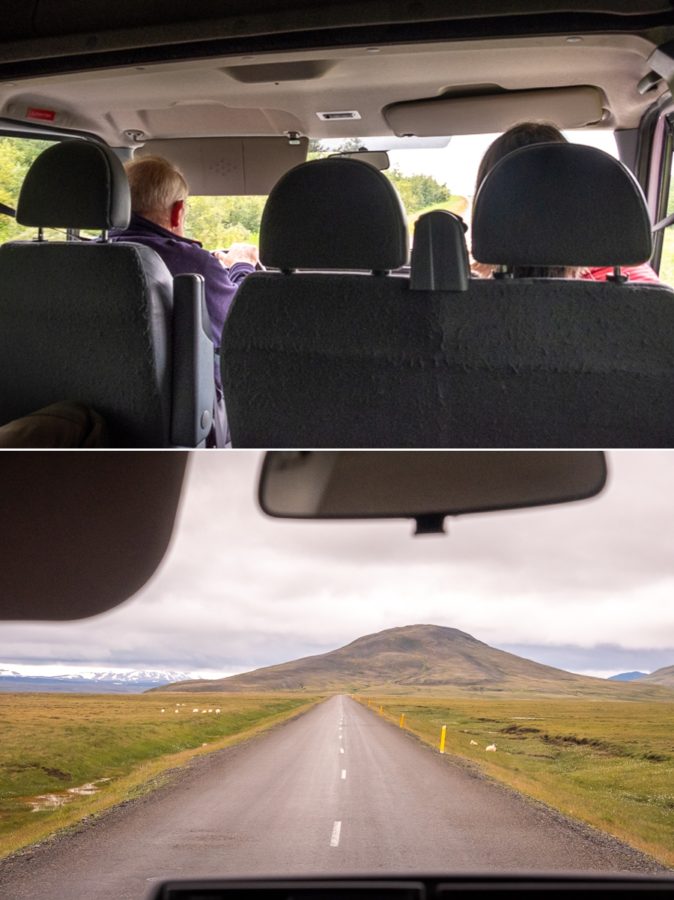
x=99, y=682
x=627, y=676
x=664, y=676
x=413, y=659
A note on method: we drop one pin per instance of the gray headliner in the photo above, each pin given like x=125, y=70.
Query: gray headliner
x=52, y=28
x=213, y=96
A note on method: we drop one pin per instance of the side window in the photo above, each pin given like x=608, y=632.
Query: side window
x=667, y=258
x=16, y=156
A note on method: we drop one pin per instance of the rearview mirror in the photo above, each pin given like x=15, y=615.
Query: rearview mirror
x=423, y=485
x=377, y=158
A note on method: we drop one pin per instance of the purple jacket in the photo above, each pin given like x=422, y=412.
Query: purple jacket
x=184, y=256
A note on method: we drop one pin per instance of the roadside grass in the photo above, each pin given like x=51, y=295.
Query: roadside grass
x=609, y=763
x=120, y=744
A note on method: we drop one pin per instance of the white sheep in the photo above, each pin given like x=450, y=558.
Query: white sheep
x=473, y=743
x=490, y=748
x=217, y=711
x=163, y=710
x=195, y=710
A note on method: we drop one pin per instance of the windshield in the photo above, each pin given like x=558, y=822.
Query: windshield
x=498, y=699
x=452, y=166
x=429, y=174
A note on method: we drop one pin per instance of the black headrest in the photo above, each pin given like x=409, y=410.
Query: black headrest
x=75, y=184
x=560, y=205
x=439, y=253
x=333, y=214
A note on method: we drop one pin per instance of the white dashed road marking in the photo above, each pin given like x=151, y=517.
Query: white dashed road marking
x=336, y=830
x=343, y=774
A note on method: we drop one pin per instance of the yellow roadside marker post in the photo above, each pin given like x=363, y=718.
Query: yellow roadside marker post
x=402, y=720
x=443, y=735
x=381, y=710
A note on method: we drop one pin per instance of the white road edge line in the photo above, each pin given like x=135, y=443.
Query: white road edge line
x=341, y=749
x=343, y=774
x=336, y=830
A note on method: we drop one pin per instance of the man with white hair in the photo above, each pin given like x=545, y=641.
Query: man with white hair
x=159, y=195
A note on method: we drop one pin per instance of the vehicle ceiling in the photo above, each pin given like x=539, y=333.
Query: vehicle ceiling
x=257, y=92
x=277, y=93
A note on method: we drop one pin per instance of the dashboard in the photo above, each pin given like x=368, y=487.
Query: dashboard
x=420, y=888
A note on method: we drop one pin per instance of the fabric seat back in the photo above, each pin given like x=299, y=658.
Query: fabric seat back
x=562, y=361
x=354, y=360
x=89, y=322
x=481, y=368
x=345, y=218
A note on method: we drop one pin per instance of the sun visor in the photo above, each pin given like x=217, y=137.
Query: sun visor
x=569, y=107
x=234, y=166
x=82, y=532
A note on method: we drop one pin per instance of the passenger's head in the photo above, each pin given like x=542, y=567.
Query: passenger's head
x=518, y=136
x=521, y=135
x=158, y=191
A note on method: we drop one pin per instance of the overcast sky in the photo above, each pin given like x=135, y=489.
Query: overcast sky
x=586, y=586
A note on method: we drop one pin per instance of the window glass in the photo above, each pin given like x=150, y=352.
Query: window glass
x=480, y=642
x=455, y=166
x=433, y=177
x=667, y=258
x=219, y=222
x=426, y=177
x=16, y=156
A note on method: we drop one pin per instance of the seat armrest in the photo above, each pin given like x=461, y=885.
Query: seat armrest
x=193, y=390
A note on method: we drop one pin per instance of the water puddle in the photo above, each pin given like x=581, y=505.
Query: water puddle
x=60, y=798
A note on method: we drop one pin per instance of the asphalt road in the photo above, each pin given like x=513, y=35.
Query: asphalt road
x=335, y=791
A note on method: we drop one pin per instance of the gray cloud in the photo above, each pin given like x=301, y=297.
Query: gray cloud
x=601, y=657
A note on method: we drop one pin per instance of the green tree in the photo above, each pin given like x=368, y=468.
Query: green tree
x=416, y=191
x=318, y=150
x=419, y=191
x=220, y=221
x=16, y=157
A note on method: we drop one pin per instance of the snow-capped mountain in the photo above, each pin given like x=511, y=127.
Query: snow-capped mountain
x=137, y=676
x=90, y=681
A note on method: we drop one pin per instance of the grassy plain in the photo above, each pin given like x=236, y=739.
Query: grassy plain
x=119, y=744
x=609, y=763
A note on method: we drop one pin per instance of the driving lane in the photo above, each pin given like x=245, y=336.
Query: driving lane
x=337, y=790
